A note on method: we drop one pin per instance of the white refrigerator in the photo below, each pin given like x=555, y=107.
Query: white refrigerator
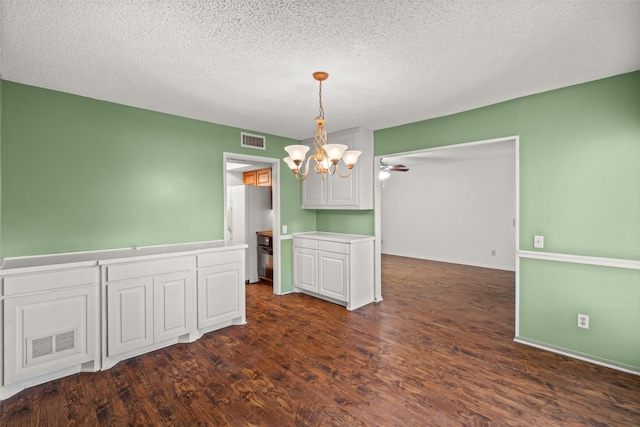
x=248, y=211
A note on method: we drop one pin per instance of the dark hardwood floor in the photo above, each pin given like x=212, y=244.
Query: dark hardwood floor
x=438, y=351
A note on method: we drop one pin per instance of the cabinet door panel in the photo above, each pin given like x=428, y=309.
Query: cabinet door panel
x=220, y=294
x=174, y=305
x=314, y=188
x=263, y=177
x=47, y=332
x=305, y=269
x=333, y=273
x=249, y=178
x=343, y=191
x=130, y=315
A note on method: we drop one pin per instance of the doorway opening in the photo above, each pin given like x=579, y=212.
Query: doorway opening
x=238, y=171
x=465, y=159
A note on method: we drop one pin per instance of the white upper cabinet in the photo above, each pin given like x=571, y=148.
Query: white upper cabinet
x=335, y=192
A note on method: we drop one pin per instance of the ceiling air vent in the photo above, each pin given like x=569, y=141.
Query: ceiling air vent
x=253, y=141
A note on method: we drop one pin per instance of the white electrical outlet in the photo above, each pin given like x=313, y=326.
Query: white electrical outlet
x=583, y=321
x=284, y=229
x=538, y=242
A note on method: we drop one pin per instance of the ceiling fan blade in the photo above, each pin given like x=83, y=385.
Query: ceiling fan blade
x=398, y=168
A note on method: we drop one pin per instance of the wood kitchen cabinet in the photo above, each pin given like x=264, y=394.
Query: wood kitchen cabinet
x=263, y=177
x=335, y=192
x=335, y=267
x=260, y=177
x=249, y=178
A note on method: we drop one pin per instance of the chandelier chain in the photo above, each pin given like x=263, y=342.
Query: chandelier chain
x=321, y=110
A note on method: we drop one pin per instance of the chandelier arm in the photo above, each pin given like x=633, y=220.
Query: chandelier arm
x=306, y=169
x=337, y=166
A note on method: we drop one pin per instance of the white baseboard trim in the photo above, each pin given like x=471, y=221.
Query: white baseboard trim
x=580, y=259
x=454, y=261
x=580, y=356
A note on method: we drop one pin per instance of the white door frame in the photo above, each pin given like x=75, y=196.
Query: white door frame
x=275, y=182
x=378, y=205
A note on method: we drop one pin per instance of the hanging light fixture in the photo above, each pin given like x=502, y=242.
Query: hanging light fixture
x=326, y=156
x=384, y=171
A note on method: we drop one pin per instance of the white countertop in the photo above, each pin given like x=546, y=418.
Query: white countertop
x=334, y=237
x=94, y=258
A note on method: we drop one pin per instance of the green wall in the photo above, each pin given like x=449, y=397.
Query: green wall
x=347, y=221
x=554, y=292
x=580, y=188
x=80, y=174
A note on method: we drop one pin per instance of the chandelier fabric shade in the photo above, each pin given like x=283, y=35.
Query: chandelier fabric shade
x=326, y=156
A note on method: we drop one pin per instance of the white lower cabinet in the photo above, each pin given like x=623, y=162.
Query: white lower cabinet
x=221, y=293
x=335, y=267
x=50, y=326
x=149, y=304
x=173, y=305
x=130, y=315
x=149, y=310
x=305, y=268
x=68, y=313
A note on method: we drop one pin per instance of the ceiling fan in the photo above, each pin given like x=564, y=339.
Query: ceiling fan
x=386, y=169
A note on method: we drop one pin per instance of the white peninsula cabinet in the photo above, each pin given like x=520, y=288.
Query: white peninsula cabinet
x=50, y=322
x=334, y=192
x=153, y=301
x=82, y=312
x=221, y=296
x=335, y=267
x=147, y=303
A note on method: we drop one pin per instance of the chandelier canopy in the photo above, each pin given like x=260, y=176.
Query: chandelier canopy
x=326, y=156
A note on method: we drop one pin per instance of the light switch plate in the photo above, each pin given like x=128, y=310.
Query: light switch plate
x=538, y=242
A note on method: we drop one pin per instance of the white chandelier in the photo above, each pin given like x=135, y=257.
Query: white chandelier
x=327, y=156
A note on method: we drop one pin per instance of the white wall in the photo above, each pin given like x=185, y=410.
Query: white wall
x=454, y=210
x=234, y=178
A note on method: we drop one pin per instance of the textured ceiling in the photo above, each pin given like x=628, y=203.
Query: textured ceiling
x=248, y=64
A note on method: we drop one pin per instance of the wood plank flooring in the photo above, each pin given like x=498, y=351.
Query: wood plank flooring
x=438, y=351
